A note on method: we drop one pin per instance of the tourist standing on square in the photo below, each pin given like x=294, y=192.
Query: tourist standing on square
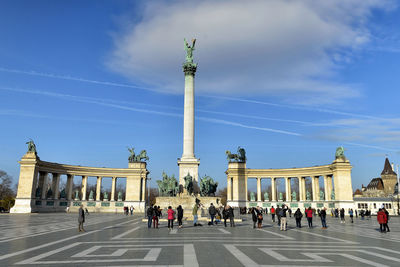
x=231, y=216
x=278, y=212
x=156, y=214
x=171, y=218
x=273, y=213
x=259, y=217
x=225, y=214
x=290, y=212
x=322, y=213
x=132, y=208
x=309, y=214
x=282, y=216
x=381, y=217
x=254, y=216
x=81, y=219
x=342, y=215
x=212, y=211
x=385, y=225
x=180, y=215
x=298, y=215
x=195, y=210
x=351, y=215
x=149, y=216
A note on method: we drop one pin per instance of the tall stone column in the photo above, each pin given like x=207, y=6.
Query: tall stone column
x=288, y=189
x=55, y=187
x=259, y=189
x=144, y=189
x=70, y=184
x=317, y=187
x=84, y=187
x=98, y=188
x=43, y=184
x=229, y=189
x=113, y=183
x=188, y=163
x=273, y=189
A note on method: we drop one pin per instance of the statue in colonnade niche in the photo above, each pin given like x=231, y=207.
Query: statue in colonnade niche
x=207, y=186
x=340, y=153
x=119, y=196
x=189, y=184
x=333, y=195
x=38, y=192
x=266, y=196
x=252, y=196
x=105, y=196
x=91, y=195
x=321, y=195
x=76, y=195
x=49, y=193
x=308, y=196
x=63, y=194
x=31, y=146
x=280, y=196
x=294, y=196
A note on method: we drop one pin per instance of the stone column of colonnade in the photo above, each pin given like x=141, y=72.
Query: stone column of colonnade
x=302, y=188
x=43, y=184
x=273, y=189
x=70, y=184
x=288, y=189
x=98, y=188
x=258, y=188
x=113, y=183
x=84, y=187
x=55, y=186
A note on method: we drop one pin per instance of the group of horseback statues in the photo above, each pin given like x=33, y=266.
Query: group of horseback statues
x=169, y=186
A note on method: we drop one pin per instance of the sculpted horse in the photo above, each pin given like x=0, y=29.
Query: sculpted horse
x=141, y=156
x=132, y=155
x=230, y=156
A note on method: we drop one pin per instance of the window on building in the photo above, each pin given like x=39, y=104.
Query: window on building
x=390, y=205
x=374, y=205
x=359, y=205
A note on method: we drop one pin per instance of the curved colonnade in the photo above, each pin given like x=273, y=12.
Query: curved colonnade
x=33, y=196
x=337, y=191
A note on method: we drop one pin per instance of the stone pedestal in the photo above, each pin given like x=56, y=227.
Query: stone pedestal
x=190, y=166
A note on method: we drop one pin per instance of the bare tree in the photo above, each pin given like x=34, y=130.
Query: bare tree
x=7, y=194
x=222, y=193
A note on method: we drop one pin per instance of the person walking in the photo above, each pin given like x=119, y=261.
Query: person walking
x=132, y=208
x=356, y=213
x=381, y=217
x=149, y=216
x=309, y=214
x=180, y=215
x=342, y=216
x=171, y=218
x=298, y=215
x=282, y=215
x=290, y=212
x=81, y=219
x=385, y=225
x=273, y=213
x=351, y=215
x=212, y=211
x=254, y=216
x=231, y=216
x=322, y=214
x=195, y=210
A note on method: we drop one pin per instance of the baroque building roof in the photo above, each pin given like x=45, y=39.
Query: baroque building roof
x=375, y=184
x=387, y=169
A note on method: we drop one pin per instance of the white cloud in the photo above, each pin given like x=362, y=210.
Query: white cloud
x=290, y=49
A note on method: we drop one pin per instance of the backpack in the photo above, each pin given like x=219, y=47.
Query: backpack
x=281, y=213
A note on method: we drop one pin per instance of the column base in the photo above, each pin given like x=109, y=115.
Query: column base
x=188, y=165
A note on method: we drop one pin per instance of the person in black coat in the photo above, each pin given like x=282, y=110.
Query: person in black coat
x=180, y=215
x=231, y=215
x=81, y=219
x=254, y=215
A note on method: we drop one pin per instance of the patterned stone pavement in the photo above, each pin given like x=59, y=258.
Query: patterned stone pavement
x=118, y=240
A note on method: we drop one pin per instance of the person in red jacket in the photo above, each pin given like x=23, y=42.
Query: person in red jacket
x=309, y=214
x=382, y=219
x=273, y=213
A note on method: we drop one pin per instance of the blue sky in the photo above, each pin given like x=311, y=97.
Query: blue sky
x=287, y=80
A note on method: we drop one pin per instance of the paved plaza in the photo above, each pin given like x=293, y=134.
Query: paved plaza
x=118, y=240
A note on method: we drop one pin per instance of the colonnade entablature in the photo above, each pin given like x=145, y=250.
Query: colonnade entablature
x=337, y=187
x=34, y=193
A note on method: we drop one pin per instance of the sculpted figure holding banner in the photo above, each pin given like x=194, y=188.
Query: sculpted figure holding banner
x=189, y=50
